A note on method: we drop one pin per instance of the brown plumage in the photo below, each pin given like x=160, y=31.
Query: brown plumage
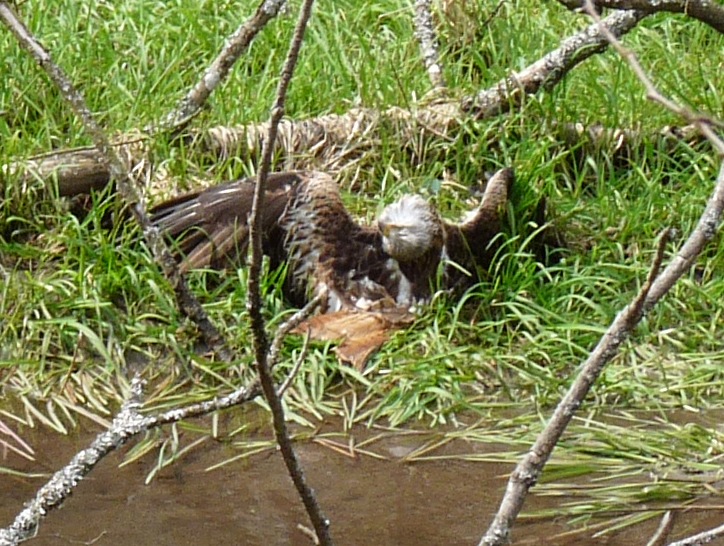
x=473, y=243
x=306, y=225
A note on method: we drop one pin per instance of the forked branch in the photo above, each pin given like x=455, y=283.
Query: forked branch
x=335, y=142
x=126, y=424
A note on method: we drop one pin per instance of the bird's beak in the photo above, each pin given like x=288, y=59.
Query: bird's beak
x=386, y=229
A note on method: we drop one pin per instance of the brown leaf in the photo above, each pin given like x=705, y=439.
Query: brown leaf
x=360, y=333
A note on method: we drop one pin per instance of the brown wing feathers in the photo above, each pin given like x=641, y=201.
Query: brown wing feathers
x=210, y=228
x=306, y=224
x=328, y=250
x=470, y=244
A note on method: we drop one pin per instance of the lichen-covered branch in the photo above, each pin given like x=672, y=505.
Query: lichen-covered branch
x=337, y=141
x=127, y=424
x=429, y=47
x=528, y=471
x=234, y=47
x=548, y=71
x=110, y=159
x=706, y=11
x=701, y=538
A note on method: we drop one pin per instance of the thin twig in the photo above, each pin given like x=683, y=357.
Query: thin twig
x=188, y=303
x=234, y=47
x=703, y=122
x=127, y=424
x=429, y=47
x=638, y=304
x=295, y=369
x=529, y=469
x=493, y=14
x=254, y=303
x=657, y=285
x=287, y=326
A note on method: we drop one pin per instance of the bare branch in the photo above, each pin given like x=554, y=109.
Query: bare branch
x=188, y=303
x=702, y=121
x=529, y=469
x=709, y=221
x=295, y=320
x=493, y=14
x=706, y=11
x=295, y=369
x=548, y=71
x=240, y=396
x=127, y=424
x=656, y=286
x=429, y=47
x=254, y=303
x=701, y=538
x=337, y=141
x=235, y=46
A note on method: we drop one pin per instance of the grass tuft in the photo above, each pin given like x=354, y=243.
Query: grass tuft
x=82, y=306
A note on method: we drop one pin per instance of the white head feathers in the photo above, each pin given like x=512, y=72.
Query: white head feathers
x=410, y=227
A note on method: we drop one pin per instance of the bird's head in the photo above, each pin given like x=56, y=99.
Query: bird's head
x=410, y=228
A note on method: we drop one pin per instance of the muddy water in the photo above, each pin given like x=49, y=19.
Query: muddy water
x=252, y=502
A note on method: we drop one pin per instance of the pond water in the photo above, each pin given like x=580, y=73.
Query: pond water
x=252, y=501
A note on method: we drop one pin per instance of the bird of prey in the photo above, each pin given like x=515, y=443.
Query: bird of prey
x=306, y=226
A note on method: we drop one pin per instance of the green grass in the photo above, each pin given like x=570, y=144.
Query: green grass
x=82, y=305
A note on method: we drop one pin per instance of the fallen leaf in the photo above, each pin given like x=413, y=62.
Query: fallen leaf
x=360, y=333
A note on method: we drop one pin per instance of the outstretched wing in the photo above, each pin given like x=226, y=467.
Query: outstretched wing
x=472, y=243
x=304, y=224
x=330, y=253
x=210, y=227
